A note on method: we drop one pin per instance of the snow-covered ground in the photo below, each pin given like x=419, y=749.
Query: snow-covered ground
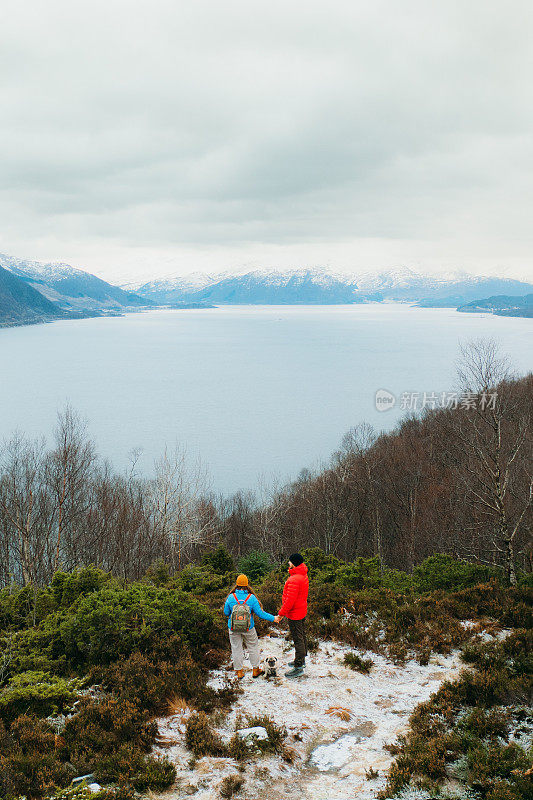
x=332, y=756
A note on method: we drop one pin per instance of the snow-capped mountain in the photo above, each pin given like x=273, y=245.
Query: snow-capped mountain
x=259, y=286
x=172, y=289
x=70, y=288
x=321, y=286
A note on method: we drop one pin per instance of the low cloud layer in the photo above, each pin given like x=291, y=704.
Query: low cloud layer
x=138, y=135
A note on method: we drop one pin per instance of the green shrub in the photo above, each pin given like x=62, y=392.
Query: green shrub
x=326, y=600
x=155, y=774
x=397, y=581
x=445, y=572
x=82, y=792
x=158, y=573
x=361, y=574
x=115, y=622
x=36, y=693
x=496, y=760
x=38, y=649
x=200, y=581
x=357, y=663
x=255, y=565
x=485, y=724
x=67, y=587
x=24, y=607
x=218, y=560
x=317, y=560
x=276, y=734
x=526, y=581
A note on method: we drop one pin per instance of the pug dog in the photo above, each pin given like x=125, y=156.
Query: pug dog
x=270, y=666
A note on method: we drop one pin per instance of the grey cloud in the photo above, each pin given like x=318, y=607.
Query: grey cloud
x=166, y=123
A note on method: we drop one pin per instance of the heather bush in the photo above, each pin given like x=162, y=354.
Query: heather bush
x=201, y=738
x=238, y=749
x=154, y=774
x=495, y=760
x=82, y=792
x=441, y=733
x=29, y=764
x=231, y=785
x=144, y=682
x=483, y=724
x=149, y=683
x=112, y=739
x=101, y=727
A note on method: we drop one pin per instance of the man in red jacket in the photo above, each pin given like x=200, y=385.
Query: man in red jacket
x=294, y=607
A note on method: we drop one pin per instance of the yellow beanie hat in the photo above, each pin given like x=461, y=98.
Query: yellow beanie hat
x=242, y=580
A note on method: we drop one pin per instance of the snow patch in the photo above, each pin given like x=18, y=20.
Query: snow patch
x=332, y=755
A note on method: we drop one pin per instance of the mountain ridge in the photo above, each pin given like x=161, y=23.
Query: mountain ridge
x=21, y=304
x=322, y=286
x=70, y=288
x=72, y=292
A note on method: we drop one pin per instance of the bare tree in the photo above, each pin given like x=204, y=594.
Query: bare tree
x=69, y=469
x=357, y=444
x=496, y=434
x=25, y=539
x=175, y=494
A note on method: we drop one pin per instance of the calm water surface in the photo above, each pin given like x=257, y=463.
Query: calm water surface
x=257, y=393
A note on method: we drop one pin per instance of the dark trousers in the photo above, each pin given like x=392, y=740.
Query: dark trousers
x=299, y=637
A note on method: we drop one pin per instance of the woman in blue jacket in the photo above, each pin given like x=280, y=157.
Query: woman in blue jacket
x=243, y=594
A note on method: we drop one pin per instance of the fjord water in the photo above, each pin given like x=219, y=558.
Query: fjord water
x=256, y=392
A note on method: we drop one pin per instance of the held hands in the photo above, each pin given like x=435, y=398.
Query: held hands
x=277, y=619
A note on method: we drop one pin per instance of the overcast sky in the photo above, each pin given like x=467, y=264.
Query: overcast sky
x=147, y=138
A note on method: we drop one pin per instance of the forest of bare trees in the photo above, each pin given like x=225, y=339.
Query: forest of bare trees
x=456, y=480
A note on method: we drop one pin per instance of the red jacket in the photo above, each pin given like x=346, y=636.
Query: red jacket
x=295, y=591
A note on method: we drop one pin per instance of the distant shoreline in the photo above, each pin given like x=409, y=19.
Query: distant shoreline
x=526, y=314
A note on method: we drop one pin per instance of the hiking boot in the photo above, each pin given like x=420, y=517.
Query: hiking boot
x=239, y=673
x=257, y=672
x=295, y=672
x=291, y=664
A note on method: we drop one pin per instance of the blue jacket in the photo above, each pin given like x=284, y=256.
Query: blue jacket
x=253, y=604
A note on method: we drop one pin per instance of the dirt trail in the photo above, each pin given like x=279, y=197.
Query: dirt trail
x=332, y=755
